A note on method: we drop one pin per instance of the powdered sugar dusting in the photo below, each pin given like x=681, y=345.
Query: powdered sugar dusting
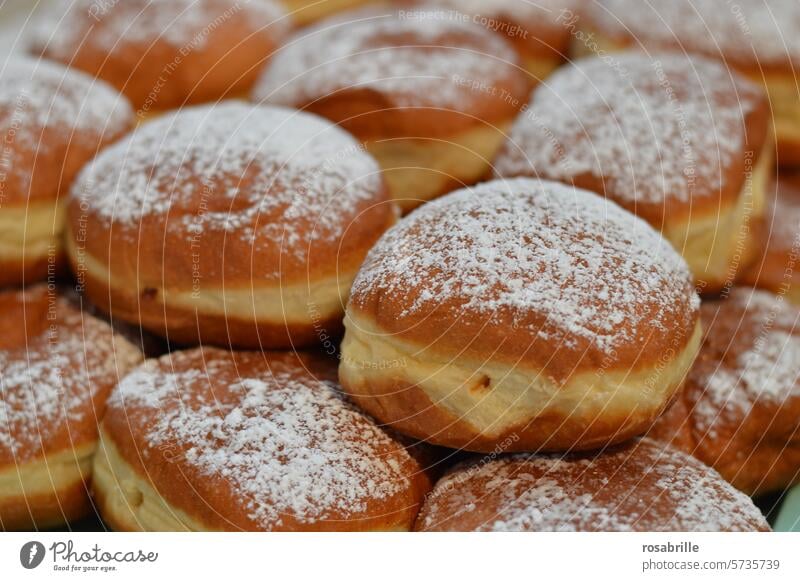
x=141, y=22
x=653, y=129
x=762, y=365
x=411, y=62
x=38, y=95
x=633, y=489
x=289, y=445
x=55, y=379
x=513, y=9
x=236, y=168
x=747, y=31
x=594, y=270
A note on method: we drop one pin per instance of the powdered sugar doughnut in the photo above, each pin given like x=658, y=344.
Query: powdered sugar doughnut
x=760, y=38
x=57, y=367
x=52, y=121
x=681, y=142
x=776, y=269
x=213, y=440
x=430, y=96
x=740, y=409
x=638, y=487
x=539, y=30
x=165, y=53
x=231, y=224
x=522, y=313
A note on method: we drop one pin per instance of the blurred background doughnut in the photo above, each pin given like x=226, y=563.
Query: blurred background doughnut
x=539, y=30
x=57, y=367
x=430, y=97
x=740, y=409
x=777, y=268
x=523, y=314
x=52, y=121
x=636, y=487
x=759, y=38
x=165, y=53
x=231, y=224
x=681, y=142
x=254, y=442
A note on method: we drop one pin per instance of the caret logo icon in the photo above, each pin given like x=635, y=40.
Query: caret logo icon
x=31, y=554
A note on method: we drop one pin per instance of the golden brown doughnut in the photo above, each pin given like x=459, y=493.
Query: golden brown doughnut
x=740, y=409
x=230, y=224
x=52, y=121
x=759, y=38
x=57, y=367
x=539, y=30
x=637, y=487
x=778, y=267
x=524, y=314
x=430, y=97
x=211, y=440
x=163, y=54
x=678, y=141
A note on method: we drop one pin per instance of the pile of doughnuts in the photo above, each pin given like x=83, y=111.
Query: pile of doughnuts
x=413, y=266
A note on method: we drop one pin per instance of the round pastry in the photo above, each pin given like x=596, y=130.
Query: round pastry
x=231, y=224
x=52, y=121
x=57, y=367
x=777, y=268
x=431, y=97
x=213, y=440
x=760, y=38
x=740, y=409
x=163, y=54
x=539, y=30
x=524, y=314
x=679, y=141
x=637, y=487
x=303, y=12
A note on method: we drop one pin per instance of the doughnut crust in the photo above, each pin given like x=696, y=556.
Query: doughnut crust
x=212, y=440
x=740, y=409
x=539, y=31
x=164, y=54
x=58, y=365
x=776, y=269
x=519, y=310
x=52, y=121
x=760, y=40
x=680, y=142
x=230, y=224
x=637, y=487
x=430, y=97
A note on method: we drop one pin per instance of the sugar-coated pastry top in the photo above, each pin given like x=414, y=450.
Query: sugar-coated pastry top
x=385, y=59
x=536, y=272
x=163, y=54
x=235, y=183
x=638, y=487
x=179, y=23
x=57, y=366
x=259, y=441
x=46, y=111
x=750, y=356
x=751, y=34
x=662, y=134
